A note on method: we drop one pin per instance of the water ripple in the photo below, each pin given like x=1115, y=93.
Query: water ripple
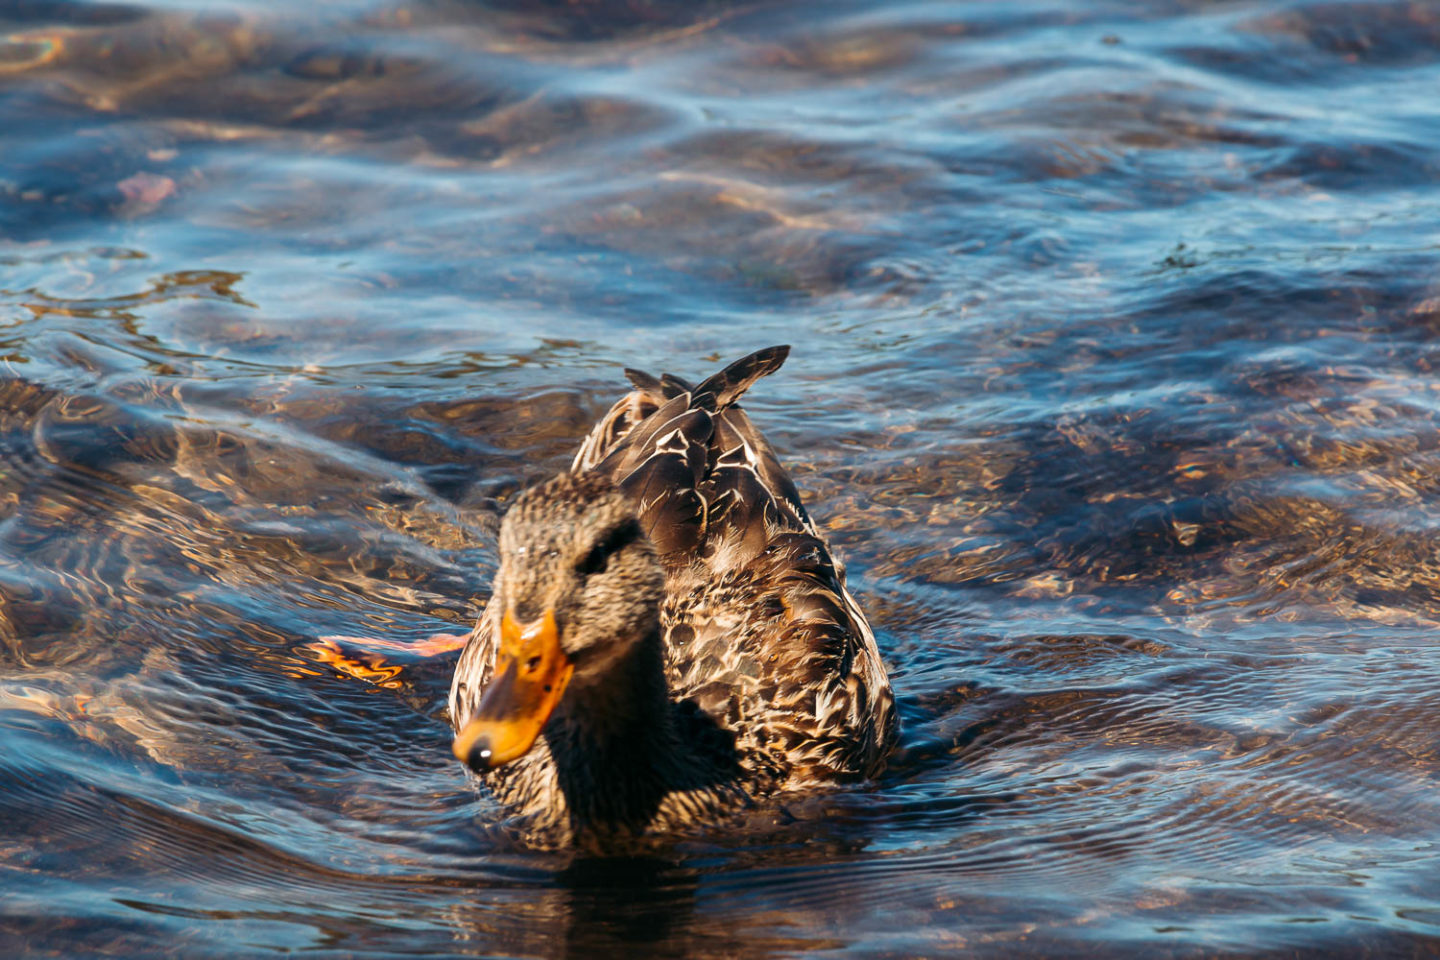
x=1114, y=334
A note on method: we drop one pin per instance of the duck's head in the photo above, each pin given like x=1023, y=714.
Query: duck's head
x=579, y=587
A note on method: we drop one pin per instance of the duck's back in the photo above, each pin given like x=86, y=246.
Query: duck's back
x=761, y=633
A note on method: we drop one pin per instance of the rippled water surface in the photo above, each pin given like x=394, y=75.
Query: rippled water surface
x=1115, y=330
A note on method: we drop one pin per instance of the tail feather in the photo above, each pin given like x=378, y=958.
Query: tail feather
x=724, y=388
x=674, y=386
x=652, y=388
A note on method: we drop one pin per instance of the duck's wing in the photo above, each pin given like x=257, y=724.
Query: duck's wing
x=705, y=481
x=779, y=652
x=762, y=630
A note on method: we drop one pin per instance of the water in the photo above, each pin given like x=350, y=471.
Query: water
x=1115, y=331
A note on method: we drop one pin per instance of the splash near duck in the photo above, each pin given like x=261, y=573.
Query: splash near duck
x=670, y=640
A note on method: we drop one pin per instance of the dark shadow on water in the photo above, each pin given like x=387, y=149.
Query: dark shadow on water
x=618, y=905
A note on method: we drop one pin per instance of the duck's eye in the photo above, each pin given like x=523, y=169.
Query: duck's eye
x=617, y=539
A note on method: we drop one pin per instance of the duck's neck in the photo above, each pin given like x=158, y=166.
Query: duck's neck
x=613, y=743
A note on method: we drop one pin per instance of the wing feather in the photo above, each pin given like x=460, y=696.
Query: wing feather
x=665, y=485
x=743, y=446
x=613, y=428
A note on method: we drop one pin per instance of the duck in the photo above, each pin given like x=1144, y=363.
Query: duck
x=670, y=641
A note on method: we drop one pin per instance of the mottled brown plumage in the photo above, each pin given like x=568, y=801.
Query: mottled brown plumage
x=717, y=656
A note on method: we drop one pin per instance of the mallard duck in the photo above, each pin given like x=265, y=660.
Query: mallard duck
x=669, y=640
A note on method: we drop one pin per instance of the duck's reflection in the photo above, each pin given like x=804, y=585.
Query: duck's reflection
x=785, y=872
x=590, y=907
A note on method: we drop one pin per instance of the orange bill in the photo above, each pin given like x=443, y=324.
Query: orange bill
x=531, y=672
